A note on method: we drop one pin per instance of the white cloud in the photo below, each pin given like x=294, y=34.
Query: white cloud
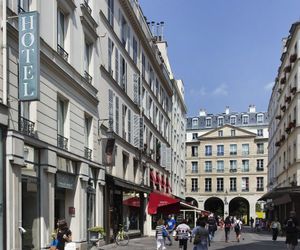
x=221, y=90
x=198, y=92
x=269, y=86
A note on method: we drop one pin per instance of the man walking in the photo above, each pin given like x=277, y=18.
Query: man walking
x=291, y=229
x=171, y=223
x=183, y=231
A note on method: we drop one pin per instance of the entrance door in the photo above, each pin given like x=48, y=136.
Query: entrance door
x=60, y=207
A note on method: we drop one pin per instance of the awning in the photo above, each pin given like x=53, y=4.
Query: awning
x=132, y=202
x=280, y=192
x=166, y=204
x=198, y=210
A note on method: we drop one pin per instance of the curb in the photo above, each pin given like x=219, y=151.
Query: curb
x=114, y=245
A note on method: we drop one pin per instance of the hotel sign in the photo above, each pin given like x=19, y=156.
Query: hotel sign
x=29, y=56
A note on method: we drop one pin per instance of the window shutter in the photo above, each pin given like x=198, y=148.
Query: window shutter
x=117, y=115
x=168, y=159
x=141, y=132
x=117, y=65
x=136, y=131
x=129, y=125
x=110, y=106
x=163, y=151
x=136, y=97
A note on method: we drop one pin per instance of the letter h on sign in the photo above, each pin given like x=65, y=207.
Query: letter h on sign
x=29, y=56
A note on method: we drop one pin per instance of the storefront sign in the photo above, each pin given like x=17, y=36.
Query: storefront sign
x=65, y=180
x=29, y=56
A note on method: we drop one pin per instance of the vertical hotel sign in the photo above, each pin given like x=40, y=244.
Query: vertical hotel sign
x=29, y=56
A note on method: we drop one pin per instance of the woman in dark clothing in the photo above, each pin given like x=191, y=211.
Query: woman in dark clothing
x=64, y=234
x=227, y=227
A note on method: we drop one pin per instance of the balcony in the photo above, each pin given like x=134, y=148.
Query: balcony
x=232, y=170
x=232, y=190
x=245, y=189
x=194, y=154
x=245, y=169
x=62, y=142
x=220, y=153
x=87, y=77
x=86, y=6
x=194, y=171
x=207, y=189
x=259, y=189
x=209, y=170
x=293, y=58
x=62, y=52
x=194, y=190
x=233, y=153
x=220, y=170
x=220, y=190
x=26, y=126
x=208, y=154
x=88, y=22
x=259, y=169
x=20, y=9
x=88, y=153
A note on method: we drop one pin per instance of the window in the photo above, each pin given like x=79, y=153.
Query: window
x=134, y=50
x=124, y=31
x=208, y=122
x=110, y=56
x=62, y=108
x=232, y=120
x=260, y=148
x=233, y=149
x=220, y=184
x=208, y=150
x=245, y=184
x=144, y=66
x=245, y=165
x=123, y=73
x=87, y=137
x=260, y=118
x=61, y=29
x=245, y=119
x=194, y=185
x=220, y=150
x=110, y=12
x=194, y=167
x=220, y=121
x=208, y=166
x=232, y=184
x=245, y=149
x=207, y=184
x=124, y=114
x=260, y=165
x=87, y=56
x=195, y=122
x=233, y=166
x=220, y=166
x=194, y=150
x=195, y=136
x=23, y=5
x=220, y=132
x=259, y=183
x=232, y=132
x=260, y=132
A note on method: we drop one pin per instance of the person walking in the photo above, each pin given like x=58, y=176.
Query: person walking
x=212, y=226
x=227, y=227
x=170, y=225
x=201, y=236
x=238, y=228
x=251, y=223
x=160, y=234
x=291, y=229
x=63, y=235
x=183, y=231
x=276, y=227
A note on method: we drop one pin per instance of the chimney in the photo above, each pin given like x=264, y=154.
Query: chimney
x=227, y=110
x=202, y=112
x=252, y=109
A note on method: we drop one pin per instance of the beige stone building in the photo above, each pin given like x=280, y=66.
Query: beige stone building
x=226, y=160
x=283, y=167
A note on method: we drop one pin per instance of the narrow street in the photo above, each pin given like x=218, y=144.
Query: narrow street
x=249, y=241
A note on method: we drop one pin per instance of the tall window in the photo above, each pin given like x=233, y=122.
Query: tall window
x=194, y=185
x=259, y=183
x=233, y=166
x=194, y=167
x=194, y=150
x=245, y=165
x=207, y=184
x=110, y=12
x=220, y=133
x=260, y=132
x=245, y=119
x=61, y=28
x=233, y=184
x=260, y=165
x=220, y=121
x=208, y=166
x=87, y=130
x=124, y=114
x=195, y=136
x=232, y=132
x=220, y=150
x=123, y=73
x=23, y=5
x=110, y=56
x=208, y=150
x=245, y=184
x=195, y=122
x=233, y=149
x=260, y=148
x=245, y=149
x=232, y=120
x=220, y=166
x=61, y=116
x=220, y=184
x=144, y=67
x=260, y=118
x=134, y=50
x=87, y=60
x=208, y=122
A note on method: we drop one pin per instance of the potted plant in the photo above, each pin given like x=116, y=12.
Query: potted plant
x=96, y=233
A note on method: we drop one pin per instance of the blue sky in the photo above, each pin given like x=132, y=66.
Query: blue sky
x=227, y=52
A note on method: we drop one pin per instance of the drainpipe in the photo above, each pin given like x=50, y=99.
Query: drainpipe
x=4, y=52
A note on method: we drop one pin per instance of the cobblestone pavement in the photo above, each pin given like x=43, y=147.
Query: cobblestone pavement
x=249, y=241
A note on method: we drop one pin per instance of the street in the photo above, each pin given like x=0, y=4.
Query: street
x=249, y=241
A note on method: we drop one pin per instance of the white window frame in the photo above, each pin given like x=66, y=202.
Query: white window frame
x=245, y=119
x=233, y=120
x=260, y=118
x=208, y=122
x=220, y=121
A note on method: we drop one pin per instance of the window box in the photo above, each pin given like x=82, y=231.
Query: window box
x=293, y=58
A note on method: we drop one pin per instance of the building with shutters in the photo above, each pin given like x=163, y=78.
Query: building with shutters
x=283, y=167
x=96, y=141
x=226, y=161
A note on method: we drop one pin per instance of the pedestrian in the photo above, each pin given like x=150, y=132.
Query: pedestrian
x=160, y=234
x=276, y=227
x=183, y=232
x=251, y=223
x=227, y=223
x=291, y=229
x=170, y=225
x=238, y=228
x=212, y=226
x=201, y=236
x=63, y=235
x=257, y=224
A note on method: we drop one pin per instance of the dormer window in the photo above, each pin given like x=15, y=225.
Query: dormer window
x=220, y=121
x=195, y=122
x=260, y=118
x=208, y=122
x=232, y=120
x=245, y=119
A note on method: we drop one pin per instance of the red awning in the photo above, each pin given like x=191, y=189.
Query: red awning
x=132, y=202
x=167, y=204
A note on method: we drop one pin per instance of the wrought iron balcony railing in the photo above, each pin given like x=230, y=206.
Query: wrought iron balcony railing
x=26, y=126
x=62, y=142
x=87, y=7
x=88, y=153
x=62, y=52
x=88, y=77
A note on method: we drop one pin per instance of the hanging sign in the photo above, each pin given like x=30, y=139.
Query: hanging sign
x=29, y=56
